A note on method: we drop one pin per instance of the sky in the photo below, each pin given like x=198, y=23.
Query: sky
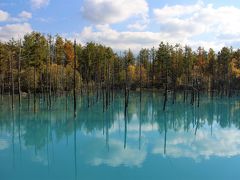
x=124, y=24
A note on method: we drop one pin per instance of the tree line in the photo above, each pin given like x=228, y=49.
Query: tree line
x=57, y=66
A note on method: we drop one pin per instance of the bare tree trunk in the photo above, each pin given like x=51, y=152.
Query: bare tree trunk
x=62, y=77
x=165, y=98
x=192, y=95
x=107, y=87
x=57, y=83
x=174, y=90
x=9, y=80
x=34, y=96
x=113, y=82
x=140, y=128
x=103, y=95
x=153, y=69
x=47, y=82
x=29, y=96
x=184, y=94
x=66, y=94
x=108, y=84
x=41, y=86
x=126, y=93
x=125, y=129
x=140, y=81
x=74, y=81
x=97, y=95
x=19, y=77
x=198, y=93
x=50, y=76
x=12, y=81
x=88, y=98
x=165, y=93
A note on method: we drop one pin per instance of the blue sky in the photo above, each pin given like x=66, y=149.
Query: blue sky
x=124, y=24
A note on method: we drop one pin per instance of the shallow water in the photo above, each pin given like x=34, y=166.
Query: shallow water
x=185, y=142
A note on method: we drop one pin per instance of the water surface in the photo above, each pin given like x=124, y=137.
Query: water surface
x=185, y=142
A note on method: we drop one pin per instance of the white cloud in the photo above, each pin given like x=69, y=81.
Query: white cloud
x=25, y=15
x=117, y=40
x=194, y=25
x=222, y=143
x=116, y=156
x=139, y=25
x=198, y=19
x=3, y=16
x=39, y=3
x=112, y=11
x=164, y=13
x=135, y=40
x=15, y=31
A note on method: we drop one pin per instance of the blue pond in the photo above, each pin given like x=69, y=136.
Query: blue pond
x=183, y=143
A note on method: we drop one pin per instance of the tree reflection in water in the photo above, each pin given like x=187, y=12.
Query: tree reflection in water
x=181, y=131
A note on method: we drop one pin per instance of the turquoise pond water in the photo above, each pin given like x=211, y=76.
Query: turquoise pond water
x=183, y=143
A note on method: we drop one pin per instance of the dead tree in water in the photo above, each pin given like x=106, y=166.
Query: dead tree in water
x=174, y=90
x=34, y=96
x=125, y=129
x=195, y=90
x=88, y=98
x=140, y=128
x=153, y=57
x=192, y=95
x=140, y=81
x=103, y=96
x=47, y=80
x=74, y=81
x=66, y=97
x=165, y=92
x=113, y=73
x=29, y=94
x=19, y=76
x=50, y=74
x=126, y=91
x=198, y=92
x=12, y=79
x=126, y=101
x=165, y=97
x=107, y=87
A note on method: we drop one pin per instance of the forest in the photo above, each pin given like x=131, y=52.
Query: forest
x=53, y=66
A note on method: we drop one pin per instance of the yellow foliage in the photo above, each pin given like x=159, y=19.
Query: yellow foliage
x=234, y=68
x=132, y=73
